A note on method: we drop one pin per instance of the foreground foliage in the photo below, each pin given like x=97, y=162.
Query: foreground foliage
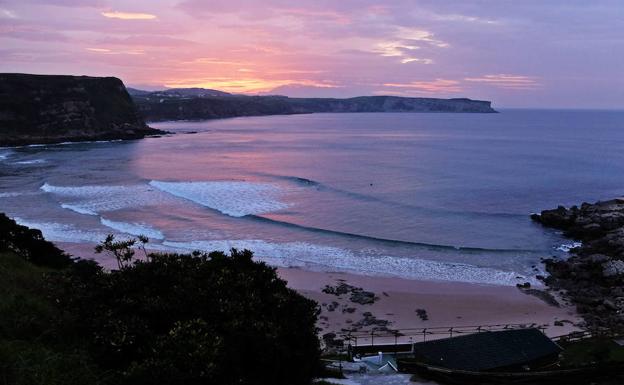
x=170, y=319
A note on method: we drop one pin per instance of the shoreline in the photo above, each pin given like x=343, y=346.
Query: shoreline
x=447, y=304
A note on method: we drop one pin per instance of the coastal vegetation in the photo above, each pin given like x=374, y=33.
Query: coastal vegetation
x=205, y=318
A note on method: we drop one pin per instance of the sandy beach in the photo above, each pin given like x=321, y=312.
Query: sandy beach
x=447, y=304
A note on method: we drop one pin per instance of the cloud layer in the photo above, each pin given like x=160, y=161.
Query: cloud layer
x=561, y=53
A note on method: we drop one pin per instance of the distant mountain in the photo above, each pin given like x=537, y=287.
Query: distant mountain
x=58, y=108
x=137, y=92
x=182, y=104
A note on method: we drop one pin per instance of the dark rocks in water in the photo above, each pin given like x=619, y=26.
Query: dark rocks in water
x=58, y=108
x=593, y=276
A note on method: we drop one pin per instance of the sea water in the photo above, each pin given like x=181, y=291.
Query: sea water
x=420, y=196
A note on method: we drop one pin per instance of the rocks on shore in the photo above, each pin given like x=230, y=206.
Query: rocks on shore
x=357, y=294
x=422, y=314
x=593, y=276
x=346, y=295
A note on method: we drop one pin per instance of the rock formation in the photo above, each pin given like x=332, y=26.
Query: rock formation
x=593, y=277
x=187, y=105
x=57, y=108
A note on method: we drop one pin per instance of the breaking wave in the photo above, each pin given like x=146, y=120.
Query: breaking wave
x=61, y=232
x=95, y=199
x=5, y=154
x=324, y=258
x=233, y=198
x=32, y=161
x=133, y=228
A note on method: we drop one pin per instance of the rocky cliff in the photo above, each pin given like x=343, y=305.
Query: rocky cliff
x=593, y=276
x=160, y=105
x=56, y=108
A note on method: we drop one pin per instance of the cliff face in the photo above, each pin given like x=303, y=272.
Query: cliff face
x=593, y=276
x=56, y=108
x=390, y=104
x=158, y=106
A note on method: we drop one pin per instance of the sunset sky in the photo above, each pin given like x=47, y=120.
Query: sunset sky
x=559, y=53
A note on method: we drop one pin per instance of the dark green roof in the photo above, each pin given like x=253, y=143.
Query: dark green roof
x=487, y=350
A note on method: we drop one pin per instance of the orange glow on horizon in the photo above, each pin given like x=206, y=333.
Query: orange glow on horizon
x=245, y=86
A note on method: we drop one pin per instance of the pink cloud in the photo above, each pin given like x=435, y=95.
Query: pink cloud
x=429, y=87
x=328, y=47
x=515, y=82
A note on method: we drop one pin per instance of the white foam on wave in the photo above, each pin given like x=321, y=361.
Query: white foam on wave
x=5, y=154
x=33, y=161
x=133, y=228
x=78, y=209
x=322, y=258
x=10, y=194
x=60, y=232
x=95, y=199
x=232, y=198
x=566, y=247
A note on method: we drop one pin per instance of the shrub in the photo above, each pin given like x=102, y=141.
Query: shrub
x=193, y=319
x=30, y=244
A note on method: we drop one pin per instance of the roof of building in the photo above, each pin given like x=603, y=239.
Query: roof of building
x=487, y=350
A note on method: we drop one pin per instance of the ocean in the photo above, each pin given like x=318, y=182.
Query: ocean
x=421, y=196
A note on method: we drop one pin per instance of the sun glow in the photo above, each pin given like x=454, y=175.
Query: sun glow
x=247, y=85
x=128, y=15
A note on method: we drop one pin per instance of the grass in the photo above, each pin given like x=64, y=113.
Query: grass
x=593, y=350
x=31, y=351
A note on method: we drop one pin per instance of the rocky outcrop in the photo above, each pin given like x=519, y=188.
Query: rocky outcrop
x=57, y=108
x=593, y=276
x=196, y=105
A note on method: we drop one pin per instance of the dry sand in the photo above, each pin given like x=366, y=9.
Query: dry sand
x=447, y=304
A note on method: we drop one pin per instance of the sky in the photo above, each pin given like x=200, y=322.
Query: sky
x=520, y=53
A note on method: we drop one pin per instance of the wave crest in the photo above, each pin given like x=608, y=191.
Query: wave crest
x=233, y=198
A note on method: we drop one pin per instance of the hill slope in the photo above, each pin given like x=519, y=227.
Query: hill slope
x=173, y=105
x=56, y=108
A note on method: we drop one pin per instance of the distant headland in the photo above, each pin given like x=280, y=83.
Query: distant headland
x=200, y=103
x=39, y=109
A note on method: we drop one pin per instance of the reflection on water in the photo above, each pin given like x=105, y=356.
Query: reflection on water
x=433, y=196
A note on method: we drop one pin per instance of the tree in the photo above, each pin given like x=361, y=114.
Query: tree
x=196, y=319
x=122, y=250
x=30, y=244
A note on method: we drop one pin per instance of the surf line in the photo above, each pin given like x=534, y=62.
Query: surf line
x=389, y=241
